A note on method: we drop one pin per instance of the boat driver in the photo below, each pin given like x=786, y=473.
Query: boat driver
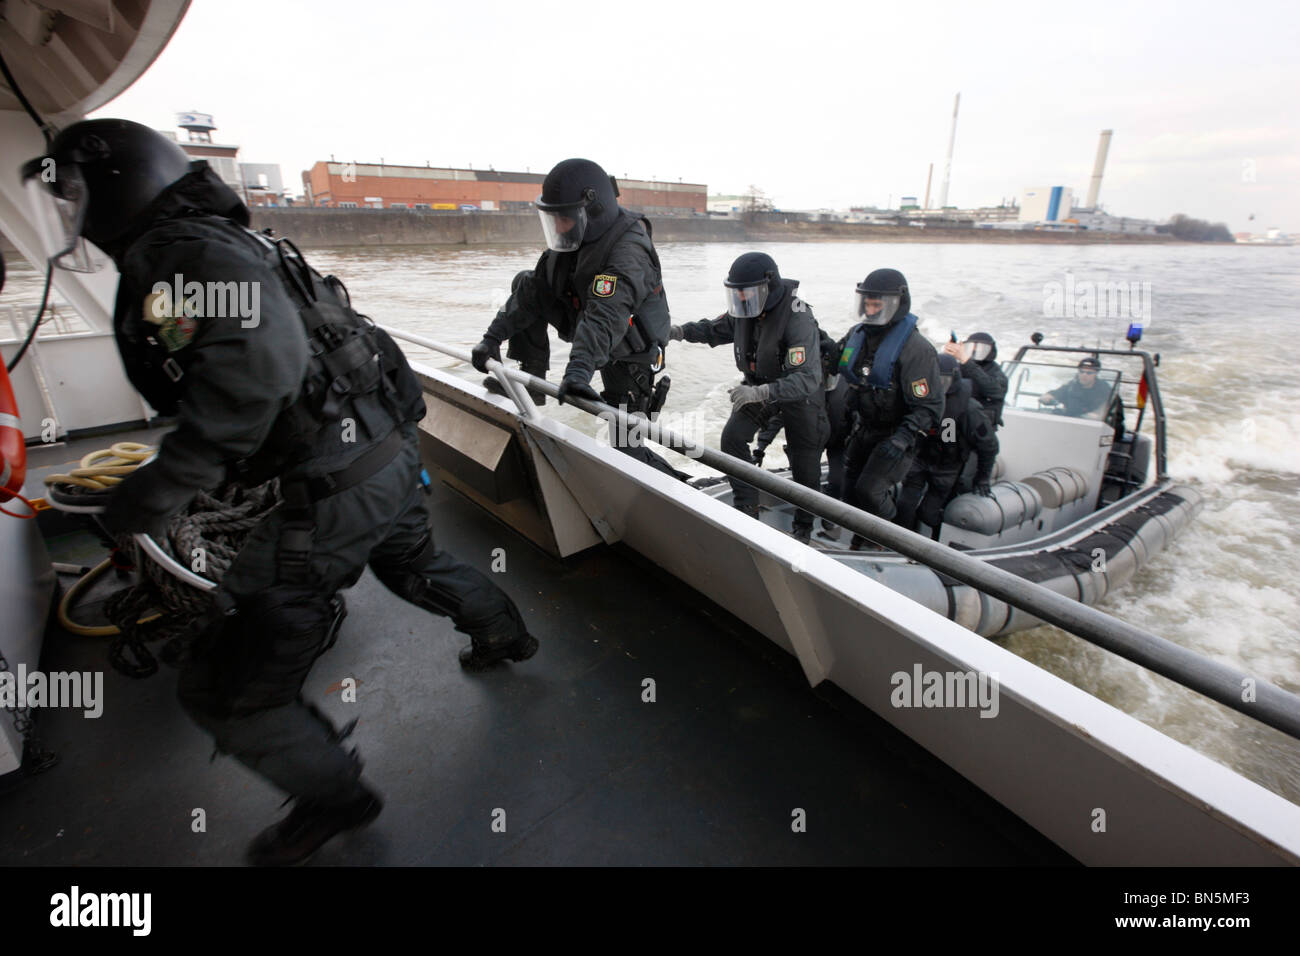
x=1083, y=394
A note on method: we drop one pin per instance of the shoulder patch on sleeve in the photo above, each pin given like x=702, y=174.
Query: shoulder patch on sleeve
x=177, y=331
x=604, y=286
x=796, y=356
x=921, y=388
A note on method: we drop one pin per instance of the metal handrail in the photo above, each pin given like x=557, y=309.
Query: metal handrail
x=1271, y=705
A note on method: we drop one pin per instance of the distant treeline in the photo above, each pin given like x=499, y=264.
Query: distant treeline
x=1195, y=230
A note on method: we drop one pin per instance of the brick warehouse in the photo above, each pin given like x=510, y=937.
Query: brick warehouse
x=369, y=185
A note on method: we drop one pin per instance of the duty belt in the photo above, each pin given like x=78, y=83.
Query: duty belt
x=293, y=553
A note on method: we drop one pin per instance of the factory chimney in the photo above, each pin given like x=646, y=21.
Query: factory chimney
x=928, y=177
x=947, y=167
x=1098, y=167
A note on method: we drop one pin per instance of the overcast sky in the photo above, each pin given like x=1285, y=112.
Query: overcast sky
x=818, y=104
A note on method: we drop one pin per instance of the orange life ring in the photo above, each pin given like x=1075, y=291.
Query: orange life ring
x=13, y=449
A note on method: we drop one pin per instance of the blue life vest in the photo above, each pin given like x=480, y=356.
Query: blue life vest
x=882, y=368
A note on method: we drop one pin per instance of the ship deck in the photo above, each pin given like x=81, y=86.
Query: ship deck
x=586, y=772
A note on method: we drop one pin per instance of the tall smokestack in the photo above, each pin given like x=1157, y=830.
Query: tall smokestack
x=947, y=167
x=928, y=178
x=1098, y=167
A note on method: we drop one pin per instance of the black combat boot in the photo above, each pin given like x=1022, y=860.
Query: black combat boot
x=829, y=529
x=481, y=657
x=751, y=510
x=309, y=826
x=859, y=543
x=802, y=533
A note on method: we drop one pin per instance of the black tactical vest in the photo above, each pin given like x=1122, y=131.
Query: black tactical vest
x=355, y=370
x=759, y=343
x=570, y=276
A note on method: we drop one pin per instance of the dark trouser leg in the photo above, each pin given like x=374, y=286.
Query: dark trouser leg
x=243, y=683
x=873, y=490
x=630, y=387
x=806, y=430
x=531, y=345
x=531, y=348
x=409, y=565
x=936, y=498
x=856, y=451
x=837, y=414
x=909, y=499
x=767, y=434
x=965, y=481
x=739, y=431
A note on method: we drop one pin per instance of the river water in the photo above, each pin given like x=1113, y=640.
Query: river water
x=1221, y=318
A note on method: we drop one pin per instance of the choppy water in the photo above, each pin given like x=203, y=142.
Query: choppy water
x=1223, y=321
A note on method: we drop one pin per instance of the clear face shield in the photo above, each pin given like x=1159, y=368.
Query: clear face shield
x=979, y=351
x=946, y=380
x=875, y=308
x=58, y=198
x=746, y=301
x=564, y=227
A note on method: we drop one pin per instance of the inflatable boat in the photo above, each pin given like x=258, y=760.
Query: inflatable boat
x=1081, y=501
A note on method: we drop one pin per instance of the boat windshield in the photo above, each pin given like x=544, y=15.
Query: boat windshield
x=1061, y=389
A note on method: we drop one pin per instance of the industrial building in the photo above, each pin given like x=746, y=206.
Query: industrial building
x=377, y=186
x=262, y=183
x=1046, y=204
x=258, y=184
x=221, y=157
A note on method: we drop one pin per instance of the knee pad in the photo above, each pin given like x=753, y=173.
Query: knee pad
x=399, y=574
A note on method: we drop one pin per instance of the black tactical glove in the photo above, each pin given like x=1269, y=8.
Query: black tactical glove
x=489, y=348
x=758, y=456
x=982, y=488
x=576, y=388
x=144, y=502
x=676, y=333
x=895, y=448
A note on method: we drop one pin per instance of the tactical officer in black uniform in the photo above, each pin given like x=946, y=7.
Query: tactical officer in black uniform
x=776, y=343
x=303, y=389
x=895, y=398
x=599, y=283
x=978, y=355
x=943, y=453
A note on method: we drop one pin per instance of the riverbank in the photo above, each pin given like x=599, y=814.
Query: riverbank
x=344, y=228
